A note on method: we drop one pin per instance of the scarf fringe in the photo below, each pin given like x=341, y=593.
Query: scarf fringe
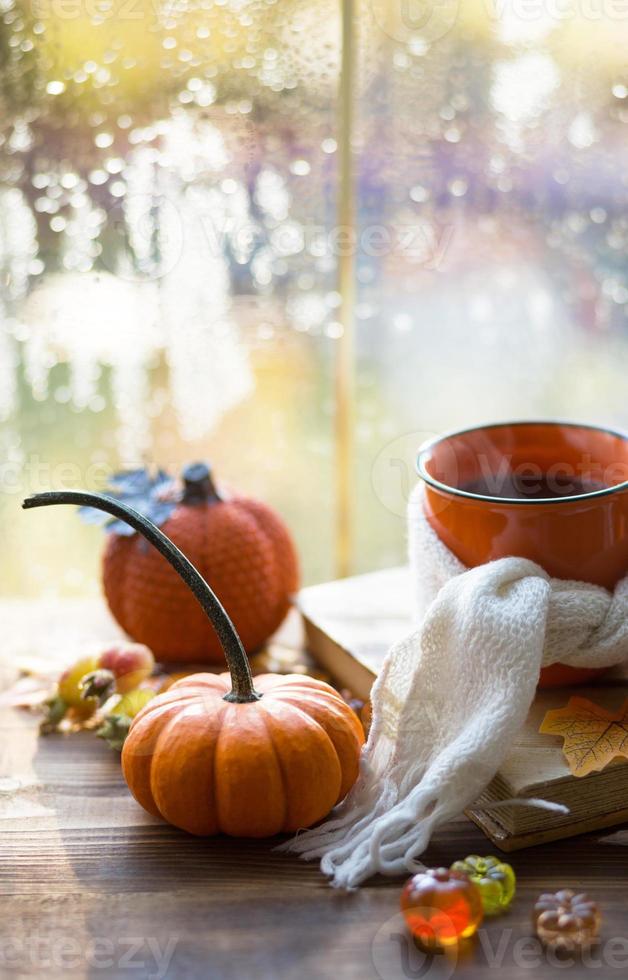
x=451, y=697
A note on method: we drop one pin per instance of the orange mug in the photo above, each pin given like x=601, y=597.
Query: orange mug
x=554, y=492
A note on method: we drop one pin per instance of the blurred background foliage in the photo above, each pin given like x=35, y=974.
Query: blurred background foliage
x=168, y=247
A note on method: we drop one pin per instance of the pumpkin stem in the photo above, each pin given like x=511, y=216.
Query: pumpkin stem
x=198, y=485
x=237, y=660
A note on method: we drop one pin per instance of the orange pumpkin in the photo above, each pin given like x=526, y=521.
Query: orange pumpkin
x=250, y=769
x=240, y=546
x=213, y=754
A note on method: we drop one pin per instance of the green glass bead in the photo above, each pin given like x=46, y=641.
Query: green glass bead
x=495, y=879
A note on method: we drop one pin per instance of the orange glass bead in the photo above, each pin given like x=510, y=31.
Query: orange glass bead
x=441, y=907
x=564, y=921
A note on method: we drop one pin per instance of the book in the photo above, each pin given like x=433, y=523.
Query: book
x=536, y=767
x=349, y=627
x=350, y=624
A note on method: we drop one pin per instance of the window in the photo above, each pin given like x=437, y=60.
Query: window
x=169, y=247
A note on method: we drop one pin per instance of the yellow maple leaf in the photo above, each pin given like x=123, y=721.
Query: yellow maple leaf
x=592, y=735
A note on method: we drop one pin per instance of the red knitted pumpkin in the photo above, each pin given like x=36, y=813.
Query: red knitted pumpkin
x=242, y=549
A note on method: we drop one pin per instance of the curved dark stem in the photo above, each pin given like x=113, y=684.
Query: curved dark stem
x=237, y=661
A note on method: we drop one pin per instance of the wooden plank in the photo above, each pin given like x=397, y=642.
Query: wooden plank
x=90, y=886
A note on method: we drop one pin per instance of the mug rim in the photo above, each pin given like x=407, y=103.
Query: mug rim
x=426, y=447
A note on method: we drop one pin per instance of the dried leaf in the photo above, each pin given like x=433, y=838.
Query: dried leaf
x=592, y=736
x=27, y=692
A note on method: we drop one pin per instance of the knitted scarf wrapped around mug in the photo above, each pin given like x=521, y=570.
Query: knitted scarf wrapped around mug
x=452, y=696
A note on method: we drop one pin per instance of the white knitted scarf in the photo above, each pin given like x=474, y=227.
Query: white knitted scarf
x=452, y=696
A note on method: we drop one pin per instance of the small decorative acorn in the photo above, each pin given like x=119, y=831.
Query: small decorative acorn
x=241, y=547
x=213, y=754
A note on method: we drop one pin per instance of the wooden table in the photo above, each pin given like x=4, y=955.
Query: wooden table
x=90, y=886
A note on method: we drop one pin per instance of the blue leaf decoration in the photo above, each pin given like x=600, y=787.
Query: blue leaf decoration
x=154, y=497
x=89, y=515
x=130, y=482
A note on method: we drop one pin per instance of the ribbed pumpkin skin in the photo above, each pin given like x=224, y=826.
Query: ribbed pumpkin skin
x=247, y=770
x=242, y=549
